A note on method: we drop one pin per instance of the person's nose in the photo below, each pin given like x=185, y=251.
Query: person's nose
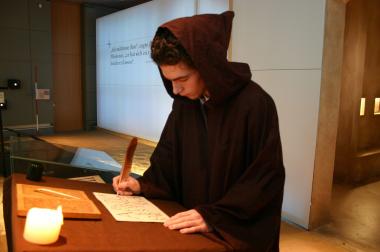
x=177, y=88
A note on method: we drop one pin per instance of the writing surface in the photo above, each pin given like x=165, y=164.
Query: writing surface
x=131, y=208
x=78, y=205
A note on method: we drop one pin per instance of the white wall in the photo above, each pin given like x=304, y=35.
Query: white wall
x=282, y=40
x=131, y=98
x=211, y=6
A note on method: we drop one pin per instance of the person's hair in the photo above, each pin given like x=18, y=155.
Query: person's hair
x=167, y=50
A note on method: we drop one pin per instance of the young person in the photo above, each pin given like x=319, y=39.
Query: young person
x=219, y=154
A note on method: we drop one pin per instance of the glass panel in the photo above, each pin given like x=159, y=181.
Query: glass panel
x=60, y=160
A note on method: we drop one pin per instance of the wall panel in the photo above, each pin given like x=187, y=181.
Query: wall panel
x=276, y=34
x=282, y=41
x=25, y=33
x=66, y=44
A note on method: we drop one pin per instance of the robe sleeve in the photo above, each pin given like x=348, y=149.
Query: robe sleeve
x=158, y=180
x=258, y=192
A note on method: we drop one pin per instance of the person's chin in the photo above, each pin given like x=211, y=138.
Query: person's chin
x=191, y=96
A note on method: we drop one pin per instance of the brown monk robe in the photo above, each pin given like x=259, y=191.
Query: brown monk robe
x=222, y=158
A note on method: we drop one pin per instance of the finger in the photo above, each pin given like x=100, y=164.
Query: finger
x=176, y=220
x=115, y=182
x=185, y=213
x=123, y=185
x=183, y=216
x=180, y=215
x=124, y=193
x=191, y=230
x=115, y=179
x=185, y=224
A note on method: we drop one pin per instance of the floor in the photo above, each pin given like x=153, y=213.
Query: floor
x=356, y=215
x=356, y=211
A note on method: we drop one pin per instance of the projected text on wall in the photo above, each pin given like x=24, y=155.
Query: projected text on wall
x=128, y=54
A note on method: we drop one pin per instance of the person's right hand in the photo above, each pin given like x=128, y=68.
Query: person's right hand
x=128, y=187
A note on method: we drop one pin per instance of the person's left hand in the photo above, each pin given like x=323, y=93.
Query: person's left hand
x=188, y=222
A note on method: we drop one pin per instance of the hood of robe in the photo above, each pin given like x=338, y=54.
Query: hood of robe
x=206, y=38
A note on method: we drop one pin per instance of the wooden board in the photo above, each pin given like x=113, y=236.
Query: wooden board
x=82, y=208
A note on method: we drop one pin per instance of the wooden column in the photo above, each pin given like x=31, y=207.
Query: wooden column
x=67, y=83
x=350, y=71
x=328, y=112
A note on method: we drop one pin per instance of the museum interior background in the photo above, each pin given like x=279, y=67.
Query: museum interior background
x=318, y=59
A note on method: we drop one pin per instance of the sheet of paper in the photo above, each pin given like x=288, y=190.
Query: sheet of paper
x=131, y=208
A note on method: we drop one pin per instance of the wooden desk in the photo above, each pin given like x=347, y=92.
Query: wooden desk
x=105, y=234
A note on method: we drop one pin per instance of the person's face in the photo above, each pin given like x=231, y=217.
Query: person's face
x=186, y=81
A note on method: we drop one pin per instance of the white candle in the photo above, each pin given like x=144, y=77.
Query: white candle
x=43, y=225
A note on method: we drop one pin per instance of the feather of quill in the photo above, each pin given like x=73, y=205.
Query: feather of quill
x=124, y=173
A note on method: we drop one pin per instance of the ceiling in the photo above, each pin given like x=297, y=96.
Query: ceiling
x=116, y=4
